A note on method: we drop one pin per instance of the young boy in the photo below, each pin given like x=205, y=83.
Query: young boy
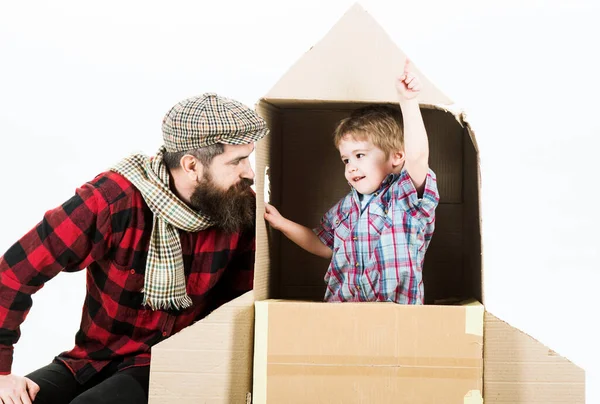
x=377, y=235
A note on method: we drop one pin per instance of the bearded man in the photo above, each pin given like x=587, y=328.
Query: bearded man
x=164, y=240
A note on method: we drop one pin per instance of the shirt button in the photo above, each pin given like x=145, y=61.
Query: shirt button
x=376, y=193
x=337, y=221
x=357, y=287
x=132, y=271
x=356, y=265
x=385, y=211
x=164, y=334
x=354, y=238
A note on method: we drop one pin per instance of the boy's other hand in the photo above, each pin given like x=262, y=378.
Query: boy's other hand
x=408, y=84
x=273, y=216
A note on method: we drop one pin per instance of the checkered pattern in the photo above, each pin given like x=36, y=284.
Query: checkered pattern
x=106, y=227
x=378, y=255
x=164, y=285
x=208, y=119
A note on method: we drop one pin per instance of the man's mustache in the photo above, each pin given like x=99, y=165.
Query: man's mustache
x=244, y=184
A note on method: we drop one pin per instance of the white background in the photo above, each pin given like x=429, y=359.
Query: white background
x=83, y=84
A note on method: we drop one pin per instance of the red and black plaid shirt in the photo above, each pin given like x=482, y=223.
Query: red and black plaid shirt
x=106, y=228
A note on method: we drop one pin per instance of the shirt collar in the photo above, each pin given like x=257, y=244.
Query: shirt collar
x=390, y=178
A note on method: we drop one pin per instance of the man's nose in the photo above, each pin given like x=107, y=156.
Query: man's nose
x=248, y=173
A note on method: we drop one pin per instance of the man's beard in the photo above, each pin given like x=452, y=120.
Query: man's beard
x=231, y=210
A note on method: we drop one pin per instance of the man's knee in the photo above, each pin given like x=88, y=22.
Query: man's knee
x=57, y=384
x=127, y=387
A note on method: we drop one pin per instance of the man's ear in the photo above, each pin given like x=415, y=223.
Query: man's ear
x=398, y=158
x=192, y=167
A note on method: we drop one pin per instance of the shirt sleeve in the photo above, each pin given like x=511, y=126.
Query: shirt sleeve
x=422, y=208
x=69, y=238
x=325, y=230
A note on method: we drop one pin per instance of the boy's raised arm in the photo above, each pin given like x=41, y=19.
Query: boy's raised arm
x=416, y=145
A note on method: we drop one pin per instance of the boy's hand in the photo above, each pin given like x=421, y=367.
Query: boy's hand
x=273, y=216
x=408, y=85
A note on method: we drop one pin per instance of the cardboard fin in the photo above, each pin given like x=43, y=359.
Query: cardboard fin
x=209, y=362
x=519, y=369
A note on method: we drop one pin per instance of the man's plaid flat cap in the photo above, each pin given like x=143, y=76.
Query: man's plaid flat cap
x=208, y=119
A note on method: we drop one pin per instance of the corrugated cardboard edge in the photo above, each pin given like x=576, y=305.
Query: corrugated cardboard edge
x=261, y=340
x=473, y=397
x=266, y=160
x=519, y=369
x=461, y=117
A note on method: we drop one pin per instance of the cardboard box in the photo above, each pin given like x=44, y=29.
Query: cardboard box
x=211, y=362
x=367, y=353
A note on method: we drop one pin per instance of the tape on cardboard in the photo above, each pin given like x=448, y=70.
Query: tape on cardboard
x=425, y=367
x=474, y=319
x=473, y=397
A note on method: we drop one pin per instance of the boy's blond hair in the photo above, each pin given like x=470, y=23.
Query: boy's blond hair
x=379, y=124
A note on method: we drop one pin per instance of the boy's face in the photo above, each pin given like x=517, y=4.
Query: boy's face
x=366, y=164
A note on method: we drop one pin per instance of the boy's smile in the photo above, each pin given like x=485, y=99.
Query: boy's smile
x=366, y=164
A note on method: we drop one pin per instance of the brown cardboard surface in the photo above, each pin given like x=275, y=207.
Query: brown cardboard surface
x=210, y=362
x=267, y=162
x=518, y=369
x=307, y=186
x=331, y=70
x=472, y=257
x=366, y=353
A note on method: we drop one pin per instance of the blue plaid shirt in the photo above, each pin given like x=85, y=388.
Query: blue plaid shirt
x=378, y=253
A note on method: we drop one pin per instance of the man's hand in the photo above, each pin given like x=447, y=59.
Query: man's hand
x=408, y=85
x=273, y=216
x=17, y=389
